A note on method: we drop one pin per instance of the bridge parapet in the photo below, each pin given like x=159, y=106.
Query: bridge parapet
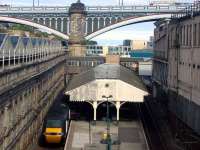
x=98, y=17
x=189, y=11
x=94, y=9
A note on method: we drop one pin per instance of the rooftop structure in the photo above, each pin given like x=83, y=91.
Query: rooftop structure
x=106, y=79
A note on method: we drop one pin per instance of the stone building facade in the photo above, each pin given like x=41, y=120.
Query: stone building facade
x=160, y=63
x=177, y=67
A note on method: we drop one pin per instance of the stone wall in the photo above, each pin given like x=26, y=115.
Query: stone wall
x=181, y=55
x=23, y=107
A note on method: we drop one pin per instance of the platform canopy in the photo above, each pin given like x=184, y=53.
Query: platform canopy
x=105, y=80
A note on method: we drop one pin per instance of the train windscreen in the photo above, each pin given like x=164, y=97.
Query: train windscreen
x=54, y=123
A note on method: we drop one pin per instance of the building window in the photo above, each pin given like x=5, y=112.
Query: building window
x=187, y=30
x=187, y=35
x=195, y=35
x=198, y=35
x=180, y=40
x=190, y=36
x=184, y=36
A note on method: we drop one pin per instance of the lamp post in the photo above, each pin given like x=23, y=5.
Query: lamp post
x=108, y=123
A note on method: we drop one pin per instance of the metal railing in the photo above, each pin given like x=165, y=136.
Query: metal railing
x=16, y=51
x=189, y=11
x=91, y=9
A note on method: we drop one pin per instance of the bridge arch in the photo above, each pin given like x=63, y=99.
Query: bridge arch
x=32, y=24
x=128, y=22
x=101, y=22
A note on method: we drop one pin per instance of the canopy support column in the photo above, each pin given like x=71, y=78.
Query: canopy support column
x=118, y=108
x=95, y=110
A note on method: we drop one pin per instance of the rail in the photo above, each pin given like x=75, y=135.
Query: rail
x=154, y=139
x=142, y=123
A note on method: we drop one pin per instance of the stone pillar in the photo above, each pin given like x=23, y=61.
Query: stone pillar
x=118, y=108
x=62, y=20
x=77, y=16
x=56, y=23
x=92, y=25
x=95, y=110
x=50, y=22
x=104, y=22
x=110, y=20
x=98, y=23
x=115, y=19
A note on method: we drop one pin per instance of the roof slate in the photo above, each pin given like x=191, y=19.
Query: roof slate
x=106, y=71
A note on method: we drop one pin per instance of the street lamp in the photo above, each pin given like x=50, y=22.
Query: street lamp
x=108, y=123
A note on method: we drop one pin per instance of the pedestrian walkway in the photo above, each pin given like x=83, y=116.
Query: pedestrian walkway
x=130, y=135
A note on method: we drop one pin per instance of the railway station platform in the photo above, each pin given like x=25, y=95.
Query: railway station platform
x=107, y=82
x=130, y=135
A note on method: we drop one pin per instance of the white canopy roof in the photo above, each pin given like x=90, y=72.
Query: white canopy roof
x=107, y=79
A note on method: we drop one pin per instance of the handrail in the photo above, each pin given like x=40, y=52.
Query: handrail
x=64, y=9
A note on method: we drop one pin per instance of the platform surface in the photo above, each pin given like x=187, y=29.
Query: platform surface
x=130, y=135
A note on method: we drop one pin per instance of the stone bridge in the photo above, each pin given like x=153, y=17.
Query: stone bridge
x=97, y=17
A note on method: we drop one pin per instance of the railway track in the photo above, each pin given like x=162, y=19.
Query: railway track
x=151, y=131
x=43, y=148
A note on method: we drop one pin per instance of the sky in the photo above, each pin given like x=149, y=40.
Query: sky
x=141, y=31
x=88, y=2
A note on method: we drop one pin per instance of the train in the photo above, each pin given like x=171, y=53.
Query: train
x=56, y=124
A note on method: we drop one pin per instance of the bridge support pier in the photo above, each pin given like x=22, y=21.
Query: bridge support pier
x=77, y=15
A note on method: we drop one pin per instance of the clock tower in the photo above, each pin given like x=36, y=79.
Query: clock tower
x=77, y=13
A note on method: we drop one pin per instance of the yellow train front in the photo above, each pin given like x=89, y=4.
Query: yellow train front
x=55, y=131
x=55, y=125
